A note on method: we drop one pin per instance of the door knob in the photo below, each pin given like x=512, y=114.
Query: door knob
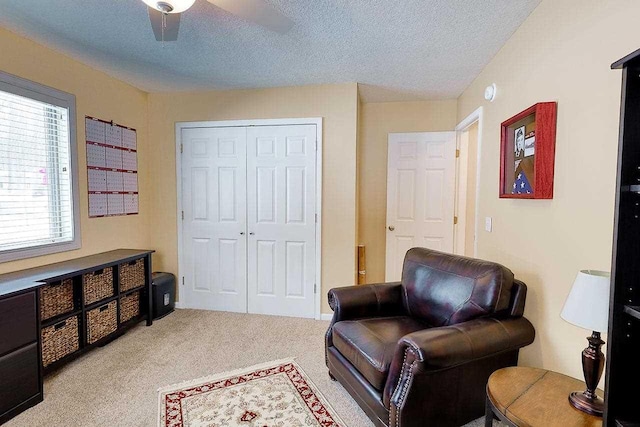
x=391, y=228
x=242, y=233
x=251, y=233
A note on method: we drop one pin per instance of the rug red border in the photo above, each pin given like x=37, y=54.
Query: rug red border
x=173, y=400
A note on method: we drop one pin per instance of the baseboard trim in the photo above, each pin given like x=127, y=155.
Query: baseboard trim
x=323, y=316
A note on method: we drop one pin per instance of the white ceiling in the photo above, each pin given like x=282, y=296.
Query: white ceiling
x=398, y=50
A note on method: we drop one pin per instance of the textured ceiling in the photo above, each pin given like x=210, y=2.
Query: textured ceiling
x=398, y=50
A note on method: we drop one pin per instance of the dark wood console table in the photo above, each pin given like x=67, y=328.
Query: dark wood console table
x=63, y=310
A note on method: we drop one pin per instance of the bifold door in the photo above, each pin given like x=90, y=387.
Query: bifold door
x=249, y=230
x=214, y=225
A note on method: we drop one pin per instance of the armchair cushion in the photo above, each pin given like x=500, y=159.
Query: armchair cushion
x=446, y=289
x=369, y=344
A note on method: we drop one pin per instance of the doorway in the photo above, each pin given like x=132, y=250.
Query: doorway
x=468, y=140
x=249, y=204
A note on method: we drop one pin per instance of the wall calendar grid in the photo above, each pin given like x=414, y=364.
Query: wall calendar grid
x=112, y=168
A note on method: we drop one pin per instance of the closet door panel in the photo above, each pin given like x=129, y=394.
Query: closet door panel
x=281, y=203
x=214, y=225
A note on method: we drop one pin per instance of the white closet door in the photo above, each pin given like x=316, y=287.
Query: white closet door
x=214, y=225
x=281, y=199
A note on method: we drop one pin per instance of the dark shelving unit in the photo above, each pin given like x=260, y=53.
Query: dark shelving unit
x=623, y=347
x=21, y=326
x=60, y=318
x=131, y=291
x=632, y=310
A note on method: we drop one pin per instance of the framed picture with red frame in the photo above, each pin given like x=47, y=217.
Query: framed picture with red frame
x=527, y=153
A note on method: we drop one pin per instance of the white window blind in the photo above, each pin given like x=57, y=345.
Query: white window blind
x=36, y=180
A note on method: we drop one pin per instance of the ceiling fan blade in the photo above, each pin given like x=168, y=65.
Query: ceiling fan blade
x=172, y=21
x=256, y=11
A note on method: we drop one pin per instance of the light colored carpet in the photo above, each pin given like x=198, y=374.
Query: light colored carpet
x=117, y=385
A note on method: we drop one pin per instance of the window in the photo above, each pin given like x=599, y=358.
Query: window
x=38, y=185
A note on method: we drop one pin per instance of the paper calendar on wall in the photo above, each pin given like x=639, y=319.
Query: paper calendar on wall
x=112, y=168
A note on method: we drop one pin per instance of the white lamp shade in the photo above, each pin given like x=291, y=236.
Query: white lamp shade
x=177, y=5
x=587, y=305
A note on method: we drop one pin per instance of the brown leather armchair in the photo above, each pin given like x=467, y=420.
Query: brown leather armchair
x=420, y=351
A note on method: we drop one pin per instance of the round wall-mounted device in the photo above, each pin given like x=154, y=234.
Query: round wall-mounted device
x=490, y=92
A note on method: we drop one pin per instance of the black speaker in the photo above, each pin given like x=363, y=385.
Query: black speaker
x=163, y=286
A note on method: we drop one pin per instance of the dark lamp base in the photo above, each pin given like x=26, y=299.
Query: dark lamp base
x=592, y=406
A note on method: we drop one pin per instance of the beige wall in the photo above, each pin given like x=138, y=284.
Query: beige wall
x=336, y=104
x=100, y=96
x=377, y=120
x=561, y=53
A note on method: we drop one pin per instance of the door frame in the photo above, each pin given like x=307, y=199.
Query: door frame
x=317, y=121
x=466, y=123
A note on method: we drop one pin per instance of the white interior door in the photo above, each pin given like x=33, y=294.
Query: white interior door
x=214, y=226
x=420, y=195
x=281, y=201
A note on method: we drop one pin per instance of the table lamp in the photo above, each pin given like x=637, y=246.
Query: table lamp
x=587, y=306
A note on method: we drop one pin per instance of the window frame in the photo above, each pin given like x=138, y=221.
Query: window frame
x=38, y=92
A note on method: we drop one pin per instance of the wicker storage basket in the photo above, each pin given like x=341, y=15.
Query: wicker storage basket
x=97, y=285
x=131, y=275
x=129, y=306
x=60, y=340
x=102, y=321
x=56, y=298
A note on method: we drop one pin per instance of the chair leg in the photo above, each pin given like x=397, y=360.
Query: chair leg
x=332, y=377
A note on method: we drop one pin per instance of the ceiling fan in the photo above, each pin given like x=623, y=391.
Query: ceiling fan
x=165, y=15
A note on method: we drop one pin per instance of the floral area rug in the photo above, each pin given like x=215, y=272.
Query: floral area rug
x=274, y=394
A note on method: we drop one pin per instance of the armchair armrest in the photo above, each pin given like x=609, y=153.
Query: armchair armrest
x=448, y=346
x=357, y=302
x=436, y=349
